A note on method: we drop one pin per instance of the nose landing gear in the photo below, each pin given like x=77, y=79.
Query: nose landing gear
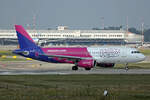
x=126, y=67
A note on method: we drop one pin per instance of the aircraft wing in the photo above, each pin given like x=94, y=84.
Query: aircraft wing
x=71, y=58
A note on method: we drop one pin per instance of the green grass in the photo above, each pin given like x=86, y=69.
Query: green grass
x=134, y=65
x=6, y=52
x=75, y=87
x=145, y=51
x=12, y=59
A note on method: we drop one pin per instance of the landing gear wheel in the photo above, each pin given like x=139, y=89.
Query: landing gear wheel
x=126, y=67
x=75, y=68
x=87, y=68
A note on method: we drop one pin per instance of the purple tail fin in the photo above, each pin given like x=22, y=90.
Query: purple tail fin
x=25, y=41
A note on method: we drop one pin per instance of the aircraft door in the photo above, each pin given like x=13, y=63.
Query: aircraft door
x=124, y=55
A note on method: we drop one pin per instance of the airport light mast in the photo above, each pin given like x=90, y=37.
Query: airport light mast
x=142, y=34
x=34, y=28
x=127, y=25
x=102, y=21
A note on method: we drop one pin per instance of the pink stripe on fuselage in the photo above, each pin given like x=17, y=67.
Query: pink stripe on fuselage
x=22, y=31
x=66, y=51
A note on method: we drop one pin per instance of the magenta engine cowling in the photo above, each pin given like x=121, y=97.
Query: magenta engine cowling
x=89, y=63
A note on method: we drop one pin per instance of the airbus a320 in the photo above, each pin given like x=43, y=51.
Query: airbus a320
x=85, y=57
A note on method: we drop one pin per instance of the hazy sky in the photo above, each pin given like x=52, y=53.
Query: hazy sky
x=77, y=14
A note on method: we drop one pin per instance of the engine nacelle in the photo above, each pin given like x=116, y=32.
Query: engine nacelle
x=89, y=63
x=107, y=65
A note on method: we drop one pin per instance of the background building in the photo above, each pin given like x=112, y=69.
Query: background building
x=65, y=36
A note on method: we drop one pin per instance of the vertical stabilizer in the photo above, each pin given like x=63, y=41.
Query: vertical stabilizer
x=25, y=41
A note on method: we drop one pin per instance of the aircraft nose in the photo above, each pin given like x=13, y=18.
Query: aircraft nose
x=142, y=57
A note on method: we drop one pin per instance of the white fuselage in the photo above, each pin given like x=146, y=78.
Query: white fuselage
x=112, y=54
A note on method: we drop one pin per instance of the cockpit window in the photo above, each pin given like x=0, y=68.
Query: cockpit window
x=135, y=52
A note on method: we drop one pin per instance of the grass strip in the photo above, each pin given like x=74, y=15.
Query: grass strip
x=75, y=87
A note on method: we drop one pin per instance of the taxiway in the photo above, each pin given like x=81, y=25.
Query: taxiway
x=39, y=68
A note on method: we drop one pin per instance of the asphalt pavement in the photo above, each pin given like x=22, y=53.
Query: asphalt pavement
x=39, y=68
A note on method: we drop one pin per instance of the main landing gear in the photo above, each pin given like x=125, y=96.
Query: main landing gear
x=76, y=65
x=75, y=68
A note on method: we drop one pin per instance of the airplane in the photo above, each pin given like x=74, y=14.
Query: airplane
x=85, y=57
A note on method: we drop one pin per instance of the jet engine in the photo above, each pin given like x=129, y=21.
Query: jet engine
x=107, y=65
x=87, y=63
